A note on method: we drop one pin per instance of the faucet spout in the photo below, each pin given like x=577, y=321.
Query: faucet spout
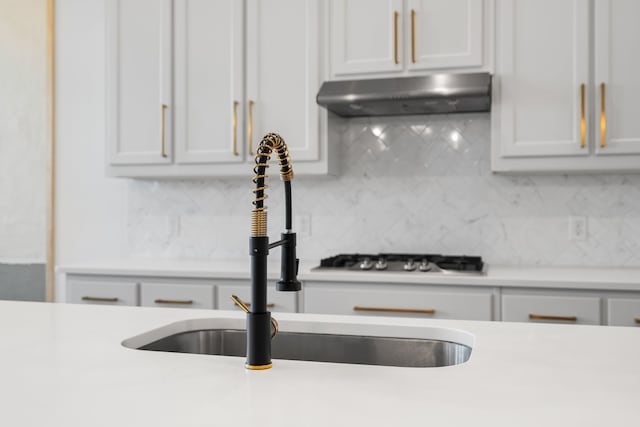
x=259, y=318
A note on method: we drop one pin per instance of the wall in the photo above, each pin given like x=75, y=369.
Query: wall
x=23, y=148
x=414, y=184
x=408, y=184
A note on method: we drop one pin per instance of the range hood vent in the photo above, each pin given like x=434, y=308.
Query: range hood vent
x=434, y=94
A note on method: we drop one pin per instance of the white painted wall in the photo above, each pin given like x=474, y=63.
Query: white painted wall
x=23, y=142
x=90, y=213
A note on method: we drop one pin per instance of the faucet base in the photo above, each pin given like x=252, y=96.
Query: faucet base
x=258, y=367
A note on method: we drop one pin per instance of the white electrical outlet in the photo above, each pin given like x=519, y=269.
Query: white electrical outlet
x=303, y=225
x=577, y=228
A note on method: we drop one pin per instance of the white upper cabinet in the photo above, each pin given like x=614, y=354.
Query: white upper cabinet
x=394, y=37
x=366, y=36
x=139, y=103
x=547, y=107
x=209, y=38
x=242, y=69
x=444, y=34
x=284, y=74
x=617, y=72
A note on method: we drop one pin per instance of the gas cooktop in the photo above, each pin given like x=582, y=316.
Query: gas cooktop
x=422, y=263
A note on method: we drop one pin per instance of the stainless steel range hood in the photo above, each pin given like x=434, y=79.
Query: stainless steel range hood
x=434, y=94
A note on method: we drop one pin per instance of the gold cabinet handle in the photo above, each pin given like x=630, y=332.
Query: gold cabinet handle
x=173, y=301
x=413, y=36
x=396, y=15
x=583, y=123
x=561, y=318
x=235, y=128
x=395, y=310
x=100, y=299
x=637, y=319
x=250, y=126
x=603, y=117
x=162, y=129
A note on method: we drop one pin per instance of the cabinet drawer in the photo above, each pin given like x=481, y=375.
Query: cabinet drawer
x=624, y=312
x=277, y=301
x=402, y=303
x=176, y=295
x=102, y=292
x=551, y=309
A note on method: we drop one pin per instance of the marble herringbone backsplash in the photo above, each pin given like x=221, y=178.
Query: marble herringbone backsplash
x=406, y=184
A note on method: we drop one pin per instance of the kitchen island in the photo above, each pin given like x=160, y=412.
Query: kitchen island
x=64, y=365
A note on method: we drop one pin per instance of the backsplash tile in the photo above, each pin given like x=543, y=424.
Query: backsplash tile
x=406, y=184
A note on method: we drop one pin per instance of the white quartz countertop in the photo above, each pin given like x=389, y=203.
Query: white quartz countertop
x=607, y=278
x=63, y=365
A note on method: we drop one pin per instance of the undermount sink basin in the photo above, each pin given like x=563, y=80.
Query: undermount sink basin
x=408, y=352
x=310, y=346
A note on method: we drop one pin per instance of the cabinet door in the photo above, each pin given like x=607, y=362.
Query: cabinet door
x=284, y=72
x=624, y=312
x=366, y=36
x=96, y=290
x=542, y=62
x=139, y=106
x=617, y=86
x=177, y=295
x=551, y=309
x=444, y=34
x=208, y=64
x=362, y=300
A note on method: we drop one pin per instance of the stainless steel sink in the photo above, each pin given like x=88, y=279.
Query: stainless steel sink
x=318, y=347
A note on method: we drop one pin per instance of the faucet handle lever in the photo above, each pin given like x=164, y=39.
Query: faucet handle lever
x=245, y=308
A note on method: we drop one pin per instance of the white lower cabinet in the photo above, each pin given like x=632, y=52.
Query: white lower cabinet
x=98, y=290
x=623, y=312
x=276, y=301
x=177, y=295
x=400, y=300
x=549, y=308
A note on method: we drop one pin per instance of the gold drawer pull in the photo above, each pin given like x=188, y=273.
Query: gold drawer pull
x=637, y=319
x=174, y=301
x=235, y=128
x=395, y=310
x=543, y=317
x=100, y=299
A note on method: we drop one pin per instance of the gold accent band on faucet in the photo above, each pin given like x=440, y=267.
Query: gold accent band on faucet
x=259, y=367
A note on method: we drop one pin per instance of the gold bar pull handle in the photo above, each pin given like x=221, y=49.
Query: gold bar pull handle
x=173, y=301
x=100, y=299
x=235, y=128
x=583, y=123
x=413, y=36
x=396, y=15
x=637, y=319
x=395, y=310
x=603, y=117
x=250, y=126
x=162, y=130
x=533, y=316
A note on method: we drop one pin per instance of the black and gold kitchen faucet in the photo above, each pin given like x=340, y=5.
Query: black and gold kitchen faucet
x=259, y=320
